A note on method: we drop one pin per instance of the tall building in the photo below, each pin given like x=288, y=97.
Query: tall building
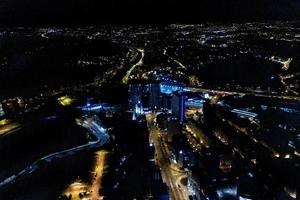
x=139, y=108
x=178, y=106
x=139, y=93
x=135, y=94
x=154, y=96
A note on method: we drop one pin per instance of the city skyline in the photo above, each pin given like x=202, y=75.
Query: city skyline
x=150, y=100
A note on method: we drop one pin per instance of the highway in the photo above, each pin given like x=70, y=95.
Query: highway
x=174, y=60
x=91, y=123
x=223, y=92
x=285, y=64
x=139, y=63
x=169, y=173
x=99, y=171
x=7, y=127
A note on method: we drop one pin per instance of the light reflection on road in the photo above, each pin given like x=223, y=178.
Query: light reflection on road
x=90, y=190
x=6, y=127
x=171, y=174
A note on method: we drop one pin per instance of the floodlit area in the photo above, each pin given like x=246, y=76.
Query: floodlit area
x=79, y=190
x=7, y=126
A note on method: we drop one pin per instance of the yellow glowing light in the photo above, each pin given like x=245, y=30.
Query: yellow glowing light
x=277, y=155
x=90, y=189
x=7, y=126
x=287, y=156
x=65, y=100
x=297, y=153
x=253, y=160
x=4, y=122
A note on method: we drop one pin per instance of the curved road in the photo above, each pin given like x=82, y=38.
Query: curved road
x=93, y=124
x=139, y=63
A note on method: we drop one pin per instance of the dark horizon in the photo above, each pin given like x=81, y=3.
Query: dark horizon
x=79, y=12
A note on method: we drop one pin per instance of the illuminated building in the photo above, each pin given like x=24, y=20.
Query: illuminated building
x=154, y=96
x=169, y=88
x=220, y=176
x=135, y=95
x=183, y=152
x=138, y=110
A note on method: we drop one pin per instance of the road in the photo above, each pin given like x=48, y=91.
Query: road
x=169, y=173
x=90, y=191
x=223, y=92
x=99, y=171
x=7, y=127
x=197, y=133
x=92, y=124
x=174, y=60
x=139, y=63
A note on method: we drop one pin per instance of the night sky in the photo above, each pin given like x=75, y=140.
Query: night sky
x=31, y=12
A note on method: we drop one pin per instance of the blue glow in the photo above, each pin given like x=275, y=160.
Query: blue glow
x=51, y=117
x=250, y=175
x=244, y=113
x=90, y=107
x=289, y=110
x=170, y=88
x=227, y=191
x=194, y=102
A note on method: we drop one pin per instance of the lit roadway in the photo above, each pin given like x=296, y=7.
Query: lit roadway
x=170, y=175
x=197, y=133
x=196, y=89
x=7, y=127
x=173, y=59
x=245, y=132
x=139, y=63
x=221, y=92
x=98, y=170
x=90, y=191
x=92, y=124
x=285, y=64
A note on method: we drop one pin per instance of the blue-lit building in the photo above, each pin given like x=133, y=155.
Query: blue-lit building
x=169, y=87
x=178, y=106
x=153, y=95
x=136, y=93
